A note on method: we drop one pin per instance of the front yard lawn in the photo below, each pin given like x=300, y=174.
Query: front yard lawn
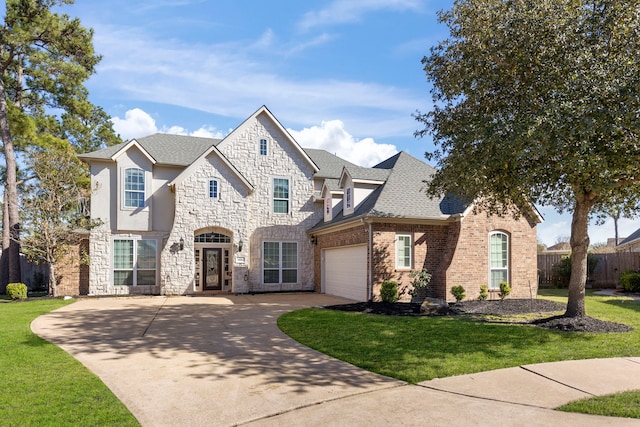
x=416, y=349
x=41, y=384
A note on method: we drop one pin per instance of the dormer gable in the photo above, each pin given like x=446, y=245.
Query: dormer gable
x=332, y=197
x=357, y=183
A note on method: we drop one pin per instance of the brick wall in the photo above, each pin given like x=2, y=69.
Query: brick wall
x=470, y=261
x=72, y=274
x=454, y=253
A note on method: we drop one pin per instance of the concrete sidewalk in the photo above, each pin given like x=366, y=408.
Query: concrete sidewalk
x=223, y=361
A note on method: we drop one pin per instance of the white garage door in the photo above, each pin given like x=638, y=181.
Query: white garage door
x=345, y=272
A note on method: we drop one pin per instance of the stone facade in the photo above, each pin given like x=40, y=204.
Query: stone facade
x=243, y=212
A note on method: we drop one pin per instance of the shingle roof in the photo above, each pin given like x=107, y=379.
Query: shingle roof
x=634, y=236
x=403, y=194
x=166, y=149
x=330, y=165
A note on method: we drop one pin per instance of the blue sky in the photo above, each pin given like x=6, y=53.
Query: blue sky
x=340, y=75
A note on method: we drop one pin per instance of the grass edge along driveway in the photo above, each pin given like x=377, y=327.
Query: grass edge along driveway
x=420, y=348
x=42, y=384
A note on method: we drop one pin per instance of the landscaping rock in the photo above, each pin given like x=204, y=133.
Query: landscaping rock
x=434, y=306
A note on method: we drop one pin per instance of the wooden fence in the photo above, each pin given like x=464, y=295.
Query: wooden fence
x=605, y=275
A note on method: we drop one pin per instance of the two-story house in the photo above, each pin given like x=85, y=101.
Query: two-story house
x=255, y=212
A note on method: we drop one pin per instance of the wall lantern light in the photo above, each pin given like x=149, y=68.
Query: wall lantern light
x=181, y=243
x=240, y=245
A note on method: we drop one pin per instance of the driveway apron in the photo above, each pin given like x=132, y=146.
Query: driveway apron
x=220, y=361
x=203, y=361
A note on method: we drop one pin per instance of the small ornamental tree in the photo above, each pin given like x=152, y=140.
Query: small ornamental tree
x=53, y=208
x=537, y=101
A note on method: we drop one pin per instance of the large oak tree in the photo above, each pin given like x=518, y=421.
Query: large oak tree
x=539, y=100
x=45, y=58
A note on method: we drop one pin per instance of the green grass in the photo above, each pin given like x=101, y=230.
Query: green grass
x=626, y=404
x=416, y=349
x=43, y=385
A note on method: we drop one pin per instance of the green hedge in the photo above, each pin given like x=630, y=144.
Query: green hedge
x=630, y=281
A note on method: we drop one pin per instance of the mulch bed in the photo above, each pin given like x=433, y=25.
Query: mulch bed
x=500, y=308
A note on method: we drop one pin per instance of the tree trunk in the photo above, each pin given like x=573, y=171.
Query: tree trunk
x=579, y=252
x=10, y=193
x=53, y=288
x=4, y=257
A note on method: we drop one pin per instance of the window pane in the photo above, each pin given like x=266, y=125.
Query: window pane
x=146, y=254
x=498, y=276
x=498, y=251
x=271, y=276
x=280, y=206
x=122, y=254
x=213, y=189
x=123, y=278
x=271, y=255
x=404, y=251
x=280, y=188
x=289, y=276
x=146, y=277
x=263, y=147
x=134, y=188
x=289, y=255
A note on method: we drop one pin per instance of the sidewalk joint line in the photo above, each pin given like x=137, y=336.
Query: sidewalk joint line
x=556, y=381
x=154, y=317
x=321, y=402
x=490, y=399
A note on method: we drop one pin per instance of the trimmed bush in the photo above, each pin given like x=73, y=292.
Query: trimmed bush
x=17, y=290
x=420, y=280
x=484, y=293
x=458, y=292
x=505, y=290
x=630, y=281
x=389, y=291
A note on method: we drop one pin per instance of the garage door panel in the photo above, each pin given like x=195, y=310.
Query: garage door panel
x=345, y=272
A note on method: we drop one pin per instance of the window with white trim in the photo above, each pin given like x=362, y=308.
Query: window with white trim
x=264, y=147
x=279, y=262
x=348, y=198
x=280, y=195
x=133, y=188
x=134, y=262
x=498, y=259
x=403, y=251
x=214, y=189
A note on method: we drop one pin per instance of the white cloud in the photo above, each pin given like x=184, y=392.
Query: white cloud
x=138, y=123
x=233, y=79
x=345, y=11
x=332, y=137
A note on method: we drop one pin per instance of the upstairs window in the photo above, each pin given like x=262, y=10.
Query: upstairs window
x=280, y=195
x=263, y=147
x=348, y=198
x=134, y=188
x=498, y=259
x=214, y=189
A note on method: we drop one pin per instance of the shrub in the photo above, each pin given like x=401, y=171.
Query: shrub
x=505, y=290
x=630, y=281
x=484, y=293
x=420, y=282
x=389, y=291
x=17, y=290
x=458, y=292
x=562, y=270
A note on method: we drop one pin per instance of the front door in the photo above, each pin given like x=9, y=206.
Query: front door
x=212, y=265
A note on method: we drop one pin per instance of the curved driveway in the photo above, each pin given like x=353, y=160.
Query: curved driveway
x=213, y=361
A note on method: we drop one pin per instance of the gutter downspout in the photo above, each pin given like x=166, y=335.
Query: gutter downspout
x=370, y=261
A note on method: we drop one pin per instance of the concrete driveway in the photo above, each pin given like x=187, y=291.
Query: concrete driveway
x=213, y=361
